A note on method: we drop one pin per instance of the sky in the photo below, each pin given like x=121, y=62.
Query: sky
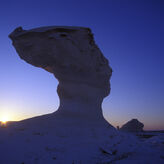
x=128, y=32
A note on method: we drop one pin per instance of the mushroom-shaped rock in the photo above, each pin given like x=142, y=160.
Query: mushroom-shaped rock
x=133, y=126
x=83, y=73
x=71, y=54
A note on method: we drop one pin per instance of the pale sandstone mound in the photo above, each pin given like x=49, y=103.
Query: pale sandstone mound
x=133, y=126
x=71, y=54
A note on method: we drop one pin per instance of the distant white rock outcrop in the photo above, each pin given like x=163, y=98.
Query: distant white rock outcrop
x=133, y=126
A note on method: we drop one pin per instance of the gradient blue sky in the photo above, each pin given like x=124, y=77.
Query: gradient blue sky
x=129, y=33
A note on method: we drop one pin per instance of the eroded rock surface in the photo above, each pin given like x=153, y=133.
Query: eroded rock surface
x=71, y=54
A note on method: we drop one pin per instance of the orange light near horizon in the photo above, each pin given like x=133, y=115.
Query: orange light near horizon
x=4, y=120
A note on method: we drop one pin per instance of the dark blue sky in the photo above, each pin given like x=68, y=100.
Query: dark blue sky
x=129, y=33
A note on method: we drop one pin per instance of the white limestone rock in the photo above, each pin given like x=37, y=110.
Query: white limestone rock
x=71, y=54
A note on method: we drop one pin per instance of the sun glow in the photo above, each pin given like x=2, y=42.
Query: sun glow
x=4, y=120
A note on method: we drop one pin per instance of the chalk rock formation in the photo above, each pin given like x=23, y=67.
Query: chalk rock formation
x=71, y=54
x=133, y=126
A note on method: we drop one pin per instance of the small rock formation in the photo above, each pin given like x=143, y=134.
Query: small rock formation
x=133, y=126
x=71, y=54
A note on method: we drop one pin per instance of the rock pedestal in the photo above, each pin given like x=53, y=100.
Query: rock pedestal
x=71, y=54
x=83, y=73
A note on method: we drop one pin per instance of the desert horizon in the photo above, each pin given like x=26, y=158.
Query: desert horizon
x=81, y=82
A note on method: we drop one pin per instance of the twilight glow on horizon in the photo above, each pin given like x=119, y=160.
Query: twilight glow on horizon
x=129, y=34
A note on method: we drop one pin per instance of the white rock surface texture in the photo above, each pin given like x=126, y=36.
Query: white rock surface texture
x=70, y=53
